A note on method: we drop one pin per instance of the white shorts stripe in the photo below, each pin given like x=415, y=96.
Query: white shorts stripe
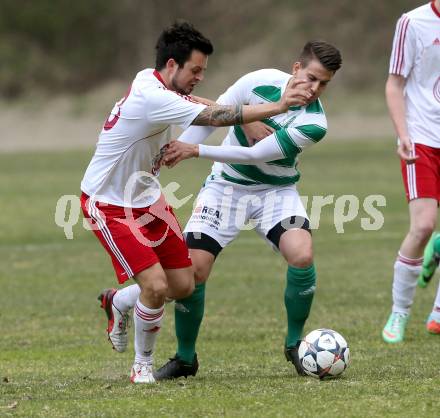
x=411, y=181
x=408, y=181
x=94, y=213
x=413, y=169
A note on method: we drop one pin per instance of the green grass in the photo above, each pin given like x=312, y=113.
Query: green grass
x=54, y=357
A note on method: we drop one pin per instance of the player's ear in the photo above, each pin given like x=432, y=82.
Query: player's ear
x=172, y=65
x=296, y=66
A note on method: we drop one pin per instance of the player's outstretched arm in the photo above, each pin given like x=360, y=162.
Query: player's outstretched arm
x=267, y=149
x=219, y=115
x=196, y=134
x=296, y=93
x=254, y=131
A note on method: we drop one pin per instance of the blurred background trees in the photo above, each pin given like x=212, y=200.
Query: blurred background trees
x=73, y=46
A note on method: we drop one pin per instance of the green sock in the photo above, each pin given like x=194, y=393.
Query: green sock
x=298, y=298
x=188, y=314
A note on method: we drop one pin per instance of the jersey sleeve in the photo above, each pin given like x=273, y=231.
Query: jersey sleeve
x=267, y=149
x=196, y=134
x=404, y=48
x=307, y=131
x=240, y=92
x=168, y=107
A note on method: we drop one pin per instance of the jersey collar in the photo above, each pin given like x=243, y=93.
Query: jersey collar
x=159, y=77
x=434, y=9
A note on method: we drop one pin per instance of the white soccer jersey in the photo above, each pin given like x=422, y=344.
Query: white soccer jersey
x=132, y=140
x=416, y=56
x=295, y=130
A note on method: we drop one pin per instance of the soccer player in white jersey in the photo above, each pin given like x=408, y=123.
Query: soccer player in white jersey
x=413, y=98
x=121, y=196
x=264, y=175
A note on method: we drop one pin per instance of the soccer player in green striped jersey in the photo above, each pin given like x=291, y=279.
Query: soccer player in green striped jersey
x=256, y=182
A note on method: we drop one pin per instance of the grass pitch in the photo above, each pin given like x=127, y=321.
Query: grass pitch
x=55, y=360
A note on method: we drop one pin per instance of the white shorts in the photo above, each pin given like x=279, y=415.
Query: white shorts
x=223, y=209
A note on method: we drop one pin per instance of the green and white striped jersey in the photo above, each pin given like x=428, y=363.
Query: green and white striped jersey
x=296, y=130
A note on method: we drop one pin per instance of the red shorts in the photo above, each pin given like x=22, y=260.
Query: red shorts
x=422, y=179
x=137, y=238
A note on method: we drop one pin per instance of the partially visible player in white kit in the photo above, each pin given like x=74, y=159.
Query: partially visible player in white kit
x=121, y=196
x=264, y=176
x=413, y=98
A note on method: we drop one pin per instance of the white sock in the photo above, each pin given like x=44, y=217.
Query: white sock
x=147, y=324
x=436, y=308
x=406, y=271
x=126, y=298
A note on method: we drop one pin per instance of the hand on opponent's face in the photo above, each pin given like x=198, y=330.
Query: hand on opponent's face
x=297, y=93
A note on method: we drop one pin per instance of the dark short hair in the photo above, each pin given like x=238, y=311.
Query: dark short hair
x=178, y=41
x=326, y=54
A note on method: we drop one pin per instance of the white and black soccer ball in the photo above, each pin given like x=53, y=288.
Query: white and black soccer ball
x=324, y=353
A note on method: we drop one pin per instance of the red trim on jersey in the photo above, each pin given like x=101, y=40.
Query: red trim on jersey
x=396, y=45
x=109, y=123
x=401, y=46
x=185, y=96
x=159, y=77
x=398, y=42
x=434, y=9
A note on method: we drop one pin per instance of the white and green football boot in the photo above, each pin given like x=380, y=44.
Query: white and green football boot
x=394, y=330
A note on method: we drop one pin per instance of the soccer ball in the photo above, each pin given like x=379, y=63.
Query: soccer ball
x=324, y=353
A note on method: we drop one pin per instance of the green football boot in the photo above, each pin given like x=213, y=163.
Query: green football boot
x=394, y=330
x=431, y=258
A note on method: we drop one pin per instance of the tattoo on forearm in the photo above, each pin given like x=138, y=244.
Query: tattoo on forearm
x=218, y=115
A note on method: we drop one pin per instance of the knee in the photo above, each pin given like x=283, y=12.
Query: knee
x=186, y=288
x=296, y=247
x=300, y=259
x=422, y=231
x=201, y=273
x=156, y=288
